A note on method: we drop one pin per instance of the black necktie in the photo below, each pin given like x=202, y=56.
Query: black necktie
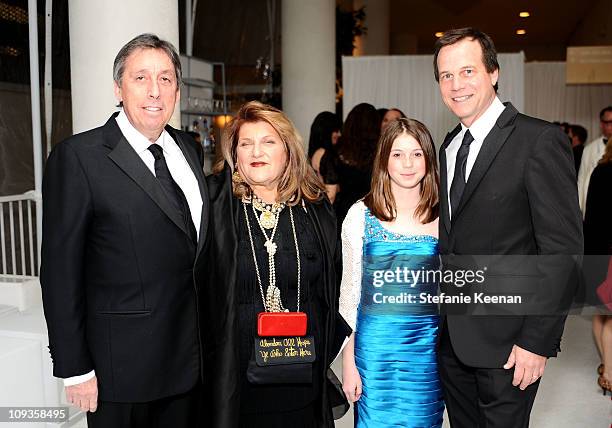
x=458, y=185
x=605, y=141
x=172, y=190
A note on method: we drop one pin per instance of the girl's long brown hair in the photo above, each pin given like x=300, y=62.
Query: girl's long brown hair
x=380, y=199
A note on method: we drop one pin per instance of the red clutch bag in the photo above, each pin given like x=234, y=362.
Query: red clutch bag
x=281, y=324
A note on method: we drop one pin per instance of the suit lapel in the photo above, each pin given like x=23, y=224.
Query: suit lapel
x=444, y=212
x=490, y=147
x=124, y=156
x=199, y=175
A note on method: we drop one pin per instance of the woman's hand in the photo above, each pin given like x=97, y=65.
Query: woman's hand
x=351, y=382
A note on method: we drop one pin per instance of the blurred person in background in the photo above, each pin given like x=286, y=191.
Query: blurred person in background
x=381, y=112
x=324, y=134
x=591, y=155
x=597, y=243
x=578, y=136
x=348, y=167
x=391, y=115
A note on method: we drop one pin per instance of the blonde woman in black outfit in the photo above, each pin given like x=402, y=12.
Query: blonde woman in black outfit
x=272, y=248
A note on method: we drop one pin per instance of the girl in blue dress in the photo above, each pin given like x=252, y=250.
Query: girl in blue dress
x=390, y=259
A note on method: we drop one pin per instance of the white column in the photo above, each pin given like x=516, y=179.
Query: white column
x=376, y=40
x=36, y=122
x=308, y=60
x=98, y=29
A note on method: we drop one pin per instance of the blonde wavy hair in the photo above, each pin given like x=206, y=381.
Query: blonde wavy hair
x=298, y=181
x=607, y=156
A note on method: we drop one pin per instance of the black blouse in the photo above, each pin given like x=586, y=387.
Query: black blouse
x=597, y=228
x=275, y=398
x=354, y=182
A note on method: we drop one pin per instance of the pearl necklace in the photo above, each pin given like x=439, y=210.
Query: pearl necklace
x=272, y=300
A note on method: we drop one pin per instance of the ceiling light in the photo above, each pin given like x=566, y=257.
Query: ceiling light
x=439, y=34
x=223, y=120
x=13, y=13
x=521, y=32
x=524, y=14
x=7, y=50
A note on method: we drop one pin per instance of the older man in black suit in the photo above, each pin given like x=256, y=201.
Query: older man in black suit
x=507, y=189
x=125, y=215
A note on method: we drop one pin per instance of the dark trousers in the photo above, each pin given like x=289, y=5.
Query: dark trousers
x=177, y=411
x=299, y=418
x=478, y=397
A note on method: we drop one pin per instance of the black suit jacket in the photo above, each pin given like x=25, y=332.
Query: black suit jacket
x=520, y=199
x=117, y=269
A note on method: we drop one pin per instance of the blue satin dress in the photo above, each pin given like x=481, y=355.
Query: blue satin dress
x=395, y=339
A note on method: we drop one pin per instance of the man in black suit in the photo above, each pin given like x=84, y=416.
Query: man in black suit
x=125, y=215
x=507, y=188
x=578, y=136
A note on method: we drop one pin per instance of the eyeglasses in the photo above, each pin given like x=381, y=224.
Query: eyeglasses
x=607, y=122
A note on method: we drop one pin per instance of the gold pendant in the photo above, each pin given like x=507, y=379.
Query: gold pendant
x=267, y=219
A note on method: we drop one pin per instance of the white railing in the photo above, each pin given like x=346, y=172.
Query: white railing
x=18, y=242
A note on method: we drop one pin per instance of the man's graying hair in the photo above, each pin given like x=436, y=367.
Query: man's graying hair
x=146, y=41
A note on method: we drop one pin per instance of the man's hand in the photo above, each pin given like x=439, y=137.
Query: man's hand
x=528, y=367
x=84, y=395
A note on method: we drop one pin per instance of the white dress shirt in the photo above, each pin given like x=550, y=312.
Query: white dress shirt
x=181, y=173
x=479, y=130
x=177, y=164
x=591, y=155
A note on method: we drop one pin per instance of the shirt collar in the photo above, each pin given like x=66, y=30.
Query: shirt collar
x=139, y=142
x=483, y=125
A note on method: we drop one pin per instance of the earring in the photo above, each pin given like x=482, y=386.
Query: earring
x=236, y=178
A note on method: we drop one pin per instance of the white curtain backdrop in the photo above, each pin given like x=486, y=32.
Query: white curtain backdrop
x=407, y=82
x=549, y=98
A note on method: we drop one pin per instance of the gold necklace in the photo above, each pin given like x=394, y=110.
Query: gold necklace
x=269, y=212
